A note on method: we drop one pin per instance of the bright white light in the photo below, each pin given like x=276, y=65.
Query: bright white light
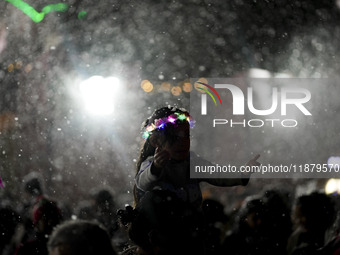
x=98, y=94
x=332, y=186
x=259, y=73
x=333, y=161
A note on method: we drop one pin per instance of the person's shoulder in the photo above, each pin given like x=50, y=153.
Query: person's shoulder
x=150, y=158
x=146, y=163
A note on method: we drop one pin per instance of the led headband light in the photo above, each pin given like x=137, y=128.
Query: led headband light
x=171, y=119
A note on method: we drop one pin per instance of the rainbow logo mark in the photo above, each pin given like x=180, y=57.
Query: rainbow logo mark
x=214, y=90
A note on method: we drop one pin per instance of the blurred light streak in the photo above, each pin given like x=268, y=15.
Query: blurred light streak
x=35, y=15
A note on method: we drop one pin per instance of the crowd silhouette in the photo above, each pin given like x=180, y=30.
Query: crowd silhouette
x=271, y=222
x=170, y=215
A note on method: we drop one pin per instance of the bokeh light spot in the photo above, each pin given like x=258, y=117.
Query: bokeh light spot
x=147, y=86
x=199, y=86
x=187, y=87
x=176, y=90
x=165, y=86
x=10, y=68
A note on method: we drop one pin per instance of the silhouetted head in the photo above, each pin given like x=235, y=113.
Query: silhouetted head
x=168, y=129
x=33, y=184
x=103, y=198
x=314, y=212
x=80, y=237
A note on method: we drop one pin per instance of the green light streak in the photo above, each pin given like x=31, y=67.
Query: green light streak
x=180, y=116
x=33, y=14
x=208, y=94
x=82, y=14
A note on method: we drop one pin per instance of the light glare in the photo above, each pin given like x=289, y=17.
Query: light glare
x=332, y=186
x=97, y=93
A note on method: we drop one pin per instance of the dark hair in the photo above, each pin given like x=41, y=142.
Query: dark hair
x=33, y=184
x=166, y=134
x=252, y=205
x=318, y=209
x=81, y=237
x=103, y=196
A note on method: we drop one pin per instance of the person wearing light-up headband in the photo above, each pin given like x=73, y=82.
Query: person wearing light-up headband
x=164, y=161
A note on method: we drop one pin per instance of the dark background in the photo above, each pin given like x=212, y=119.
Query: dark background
x=44, y=128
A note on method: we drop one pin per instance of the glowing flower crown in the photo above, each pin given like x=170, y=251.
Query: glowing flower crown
x=172, y=119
